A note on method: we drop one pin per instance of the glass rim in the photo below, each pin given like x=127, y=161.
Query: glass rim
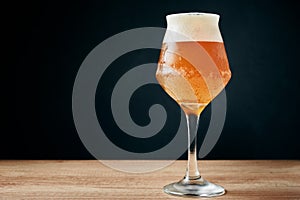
x=196, y=14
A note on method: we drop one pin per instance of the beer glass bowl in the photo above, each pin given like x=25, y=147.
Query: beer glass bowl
x=193, y=69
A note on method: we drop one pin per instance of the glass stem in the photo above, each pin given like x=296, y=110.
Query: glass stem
x=192, y=171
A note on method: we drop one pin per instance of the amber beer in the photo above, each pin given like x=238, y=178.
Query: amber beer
x=193, y=81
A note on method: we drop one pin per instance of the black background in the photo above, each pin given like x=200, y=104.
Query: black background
x=51, y=39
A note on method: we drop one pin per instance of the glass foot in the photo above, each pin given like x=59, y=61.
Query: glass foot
x=195, y=188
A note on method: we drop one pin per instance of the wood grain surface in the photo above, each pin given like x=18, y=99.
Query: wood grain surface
x=60, y=179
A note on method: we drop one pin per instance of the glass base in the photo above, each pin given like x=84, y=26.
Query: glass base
x=194, y=188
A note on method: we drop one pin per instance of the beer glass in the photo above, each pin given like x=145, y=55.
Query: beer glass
x=193, y=69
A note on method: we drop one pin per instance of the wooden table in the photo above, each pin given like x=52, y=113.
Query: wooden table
x=52, y=179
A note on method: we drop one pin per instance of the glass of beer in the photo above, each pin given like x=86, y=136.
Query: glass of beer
x=193, y=69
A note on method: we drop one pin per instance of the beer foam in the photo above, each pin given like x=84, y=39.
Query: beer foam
x=193, y=27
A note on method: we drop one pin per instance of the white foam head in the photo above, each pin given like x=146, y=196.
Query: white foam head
x=193, y=27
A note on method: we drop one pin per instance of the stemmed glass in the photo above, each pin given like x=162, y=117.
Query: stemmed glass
x=193, y=69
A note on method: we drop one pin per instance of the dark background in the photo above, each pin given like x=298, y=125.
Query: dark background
x=51, y=39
